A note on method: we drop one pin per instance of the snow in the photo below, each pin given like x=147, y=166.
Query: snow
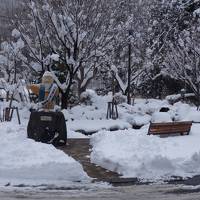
x=36, y=66
x=122, y=85
x=197, y=11
x=96, y=111
x=55, y=57
x=182, y=111
x=161, y=117
x=115, y=145
x=97, y=125
x=133, y=153
x=173, y=98
x=193, y=116
x=24, y=161
x=16, y=33
x=138, y=119
x=72, y=134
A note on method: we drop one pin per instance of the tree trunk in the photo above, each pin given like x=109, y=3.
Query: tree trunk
x=198, y=96
x=64, y=100
x=7, y=96
x=65, y=96
x=80, y=91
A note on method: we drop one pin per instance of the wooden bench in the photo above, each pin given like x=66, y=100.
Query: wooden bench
x=170, y=128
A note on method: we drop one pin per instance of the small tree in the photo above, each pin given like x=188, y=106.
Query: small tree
x=11, y=66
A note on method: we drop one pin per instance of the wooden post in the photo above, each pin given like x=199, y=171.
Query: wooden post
x=8, y=114
x=112, y=111
x=1, y=117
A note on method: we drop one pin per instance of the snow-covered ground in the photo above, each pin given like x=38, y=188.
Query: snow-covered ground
x=90, y=126
x=127, y=151
x=133, y=153
x=24, y=161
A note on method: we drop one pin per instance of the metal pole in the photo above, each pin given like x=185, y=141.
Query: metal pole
x=129, y=74
x=129, y=57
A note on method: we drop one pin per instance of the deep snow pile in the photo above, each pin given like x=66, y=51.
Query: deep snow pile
x=24, y=161
x=96, y=110
x=133, y=153
x=90, y=126
x=92, y=118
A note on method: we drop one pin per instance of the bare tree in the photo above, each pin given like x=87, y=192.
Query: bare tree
x=79, y=32
x=10, y=63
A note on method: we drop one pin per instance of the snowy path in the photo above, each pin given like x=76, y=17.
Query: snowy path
x=79, y=149
x=141, y=192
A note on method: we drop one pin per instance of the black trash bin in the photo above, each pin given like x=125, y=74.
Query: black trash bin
x=47, y=127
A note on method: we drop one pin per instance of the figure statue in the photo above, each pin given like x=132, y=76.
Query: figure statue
x=46, y=124
x=47, y=92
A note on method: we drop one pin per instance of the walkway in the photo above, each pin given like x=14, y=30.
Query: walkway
x=79, y=149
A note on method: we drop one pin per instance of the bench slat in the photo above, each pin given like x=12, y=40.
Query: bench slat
x=169, y=131
x=169, y=128
x=166, y=127
x=170, y=123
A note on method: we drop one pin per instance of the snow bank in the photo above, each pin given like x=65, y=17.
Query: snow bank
x=177, y=97
x=133, y=153
x=149, y=106
x=182, y=110
x=138, y=120
x=25, y=161
x=97, y=125
x=72, y=134
x=193, y=116
x=90, y=119
x=161, y=117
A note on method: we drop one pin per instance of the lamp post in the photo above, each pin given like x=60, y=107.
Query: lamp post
x=129, y=69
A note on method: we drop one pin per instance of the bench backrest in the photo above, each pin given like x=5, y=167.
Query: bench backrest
x=169, y=127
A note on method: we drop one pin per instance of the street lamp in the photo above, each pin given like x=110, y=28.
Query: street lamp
x=130, y=32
